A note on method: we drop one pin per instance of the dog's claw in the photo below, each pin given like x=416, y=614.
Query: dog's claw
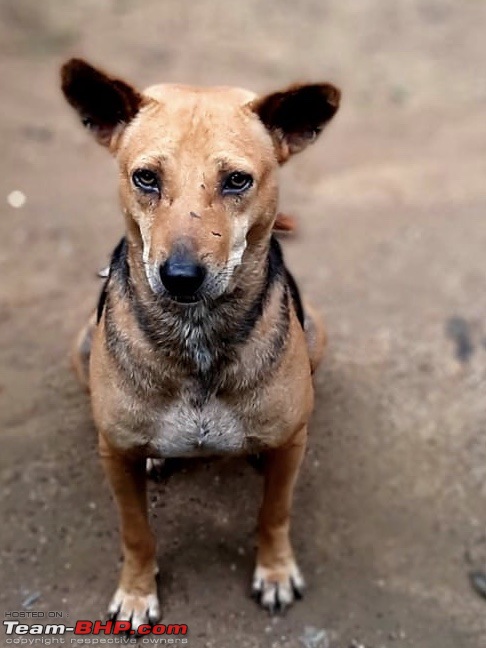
x=161, y=469
x=269, y=598
x=256, y=589
x=112, y=614
x=276, y=590
x=155, y=468
x=298, y=587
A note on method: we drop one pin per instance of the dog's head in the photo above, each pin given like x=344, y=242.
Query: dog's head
x=198, y=168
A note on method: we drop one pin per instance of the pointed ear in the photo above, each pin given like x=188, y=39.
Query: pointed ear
x=296, y=116
x=102, y=102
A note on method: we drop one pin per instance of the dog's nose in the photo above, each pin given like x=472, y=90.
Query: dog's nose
x=182, y=276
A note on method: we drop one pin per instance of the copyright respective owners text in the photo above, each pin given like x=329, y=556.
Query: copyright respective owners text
x=54, y=628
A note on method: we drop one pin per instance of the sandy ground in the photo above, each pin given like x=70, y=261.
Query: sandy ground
x=390, y=510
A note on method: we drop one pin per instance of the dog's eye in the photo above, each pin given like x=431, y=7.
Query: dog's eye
x=236, y=183
x=146, y=180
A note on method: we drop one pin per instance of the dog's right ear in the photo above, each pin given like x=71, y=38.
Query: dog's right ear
x=104, y=103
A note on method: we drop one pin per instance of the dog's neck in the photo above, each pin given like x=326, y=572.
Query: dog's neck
x=202, y=337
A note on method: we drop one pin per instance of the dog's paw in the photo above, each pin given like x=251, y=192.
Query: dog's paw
x=135, y=608
x=276, y=589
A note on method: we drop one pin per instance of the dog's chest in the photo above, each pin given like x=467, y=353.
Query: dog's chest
x=189, y=428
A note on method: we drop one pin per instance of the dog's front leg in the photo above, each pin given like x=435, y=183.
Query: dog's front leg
x=136, y=596
x=277, y=579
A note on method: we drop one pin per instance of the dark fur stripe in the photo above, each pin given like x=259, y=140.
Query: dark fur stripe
x=101, y=302
x=119, y=260
x=118, y=266
x=296, y=299
x=140, y=375
x=275, y=271
x=117, y=344
x=279, y=337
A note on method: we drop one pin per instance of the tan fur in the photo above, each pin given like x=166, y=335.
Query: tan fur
x=315, y=334
x=144, y=407
x=81, y=351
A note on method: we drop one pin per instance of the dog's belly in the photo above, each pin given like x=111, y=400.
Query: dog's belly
x=184, y=430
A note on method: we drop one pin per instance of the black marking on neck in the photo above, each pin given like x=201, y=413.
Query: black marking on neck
x=281, y=330
x=120, y=349
x=119, y=269
x=296, y=298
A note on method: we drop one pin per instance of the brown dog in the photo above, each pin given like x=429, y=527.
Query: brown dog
x=200, y=345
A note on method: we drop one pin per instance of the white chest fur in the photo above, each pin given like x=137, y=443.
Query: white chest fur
x=185, y=429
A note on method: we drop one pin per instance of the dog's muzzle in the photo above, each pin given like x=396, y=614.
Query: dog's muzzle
x=182, y=276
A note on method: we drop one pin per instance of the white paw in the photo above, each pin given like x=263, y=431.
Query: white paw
x=135, y=608
x=276, y=589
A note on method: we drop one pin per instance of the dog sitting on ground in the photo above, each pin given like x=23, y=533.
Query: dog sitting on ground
x=200, y=344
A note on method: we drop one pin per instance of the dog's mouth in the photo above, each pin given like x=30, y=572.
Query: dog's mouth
x=185, y=300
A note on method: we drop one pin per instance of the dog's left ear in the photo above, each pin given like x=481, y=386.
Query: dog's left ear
x=103, y=102
x=296, y=116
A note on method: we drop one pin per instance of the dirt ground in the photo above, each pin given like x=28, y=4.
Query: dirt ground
x=390, y=510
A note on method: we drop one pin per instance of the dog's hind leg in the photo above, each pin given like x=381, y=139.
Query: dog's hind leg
x=82, y=350
x=315, y=334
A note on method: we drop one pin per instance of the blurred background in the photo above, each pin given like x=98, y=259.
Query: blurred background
x=390, y=510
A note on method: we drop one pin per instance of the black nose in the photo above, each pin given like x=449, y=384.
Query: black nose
x=182, y=276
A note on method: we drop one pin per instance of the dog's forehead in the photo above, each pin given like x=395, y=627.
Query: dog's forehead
x=209, y=123
x=216, y=96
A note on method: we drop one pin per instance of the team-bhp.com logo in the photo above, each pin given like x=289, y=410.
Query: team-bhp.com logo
x=18, y=633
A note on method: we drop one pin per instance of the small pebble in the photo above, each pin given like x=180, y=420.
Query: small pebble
x=478, y=582
x=314, y=638
x=16, y=199
x=29, y=601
